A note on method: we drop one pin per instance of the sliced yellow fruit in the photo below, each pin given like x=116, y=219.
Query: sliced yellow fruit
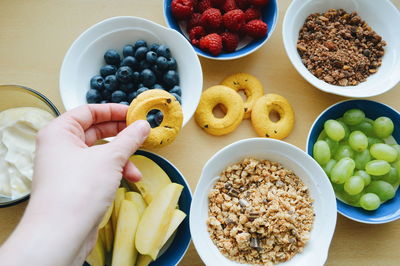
x=102, y=235
x=138, y=200
x=153, y=225
x=119, y=197
x=97, y=255
x=108, y=236
x=125, y=253
x=153, y=177
x=107, y=216
x=177, y=218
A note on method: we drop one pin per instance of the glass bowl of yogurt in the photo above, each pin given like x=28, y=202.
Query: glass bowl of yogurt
x=23, y=112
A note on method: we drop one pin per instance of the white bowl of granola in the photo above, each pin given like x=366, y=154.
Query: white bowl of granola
x=262, y=201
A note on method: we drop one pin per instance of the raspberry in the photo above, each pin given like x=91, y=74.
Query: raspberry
x=230, y=41
x=195, y=34
x=182, y=9
x=259, y=2
x=211, y=43
x=234, y=19
x=193, y=21
x=252, y=13
x=242, y=4
x=256, y=28
x=229, y=5
x=203, y=5
x=211, y=18
x=217, y=3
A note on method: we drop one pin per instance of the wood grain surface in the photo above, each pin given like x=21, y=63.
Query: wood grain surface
x=35, y=35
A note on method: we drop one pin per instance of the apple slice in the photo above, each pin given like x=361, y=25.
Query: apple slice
x=138, y=200
x=153, y=225
x=176, y=220
x=119, y=197
x=125, y=253
x=153, y=177
x=97, y=255
x=107, y=216
x=108, y=236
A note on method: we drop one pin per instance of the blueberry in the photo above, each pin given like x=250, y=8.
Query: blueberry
x=162, y=63
x=141, y=52
x=127, y=87
x=154, y=47
x=159, y=73
x=132, y=96
x=107, y=70
x=118, y=96
x=177, y=90
x=151, y=120
x=111, y=83
x=164, y=51
x=112, y=57
x=97, y=82
x=157, y=86
x=93, y=96
x=124, y=74
x=147, y=77
x=178, y=98
x=140, y=85
x=136, y=76
x=153, y=112
x=151, y=57
x=172, y=64
x=131, y=62
x=158, y=117
x=125, y=103
x=104, y=101
x=140, y=43
x=142, y=89
x=128, y=50
x=144, y=64
x=107, y=95
x=171, y=78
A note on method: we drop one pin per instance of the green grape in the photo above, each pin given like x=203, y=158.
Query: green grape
x=397, y=148
x=338, y=188
x=354, y=185
x=342, y=170
x=321, y=152
x=382, y=151
x=377, y=167
x=358, y=141
x=351, y=199
x=365, y=176
x=370, y=201
x=328, y=166
x=322, y=135
x=333, y=145
x=346, y=128
x=369, y=120
x=353, y=117
x=383, y=127
x=365, y=127
x=343, y=151
x=391, y=177
x=372, y=141
x=362, y=158
x=384, y=190
x=334, y=130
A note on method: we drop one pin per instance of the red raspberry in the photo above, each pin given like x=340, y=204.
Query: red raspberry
x=252, y=13
x=259, y=2
x=217, y=3
x=193, y=21
x=182, y=9
x=211, y=43
x=203, y=5
x=230, y=41
x=195, y=35
x=234, y=20
x=229, y=5
x=211, y=18
x=256, y=28
x=242, y=4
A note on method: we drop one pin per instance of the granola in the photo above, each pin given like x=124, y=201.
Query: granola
x=340, y=48
x=259, y=213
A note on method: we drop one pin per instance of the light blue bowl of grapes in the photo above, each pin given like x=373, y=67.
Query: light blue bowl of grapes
x=356, y=143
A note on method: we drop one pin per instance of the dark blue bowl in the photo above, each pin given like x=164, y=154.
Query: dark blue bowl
x=269, y=16
x=388, y=211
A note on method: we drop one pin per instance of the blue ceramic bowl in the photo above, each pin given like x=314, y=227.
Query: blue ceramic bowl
x=269, y=16
x=388, y=211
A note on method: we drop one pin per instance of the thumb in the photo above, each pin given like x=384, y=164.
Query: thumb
x=129, y=140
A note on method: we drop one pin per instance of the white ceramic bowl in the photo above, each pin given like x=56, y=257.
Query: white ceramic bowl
x=382, y=16
x=85, y=57
x=316, y=249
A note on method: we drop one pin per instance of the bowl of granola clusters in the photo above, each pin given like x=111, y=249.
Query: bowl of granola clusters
x=349, y=48
x=262, y=202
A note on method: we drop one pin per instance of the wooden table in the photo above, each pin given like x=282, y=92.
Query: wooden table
x=35, y=35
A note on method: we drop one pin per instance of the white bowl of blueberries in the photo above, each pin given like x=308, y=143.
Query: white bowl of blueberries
x=118, y=58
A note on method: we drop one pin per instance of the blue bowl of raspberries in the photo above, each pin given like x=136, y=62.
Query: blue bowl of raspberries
x=223, y=29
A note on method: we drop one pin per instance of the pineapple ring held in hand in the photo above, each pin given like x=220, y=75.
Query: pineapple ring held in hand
x=171, y=124
x=250, y=85
x=233, y=104
x=263, y=124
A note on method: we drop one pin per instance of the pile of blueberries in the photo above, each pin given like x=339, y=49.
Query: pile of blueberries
x=142, y=68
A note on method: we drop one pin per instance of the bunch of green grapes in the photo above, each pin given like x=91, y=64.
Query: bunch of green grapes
x=361, y=158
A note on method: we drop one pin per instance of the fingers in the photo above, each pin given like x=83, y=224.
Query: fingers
x=130, y=139
x=103, y=130
x=131, y=173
